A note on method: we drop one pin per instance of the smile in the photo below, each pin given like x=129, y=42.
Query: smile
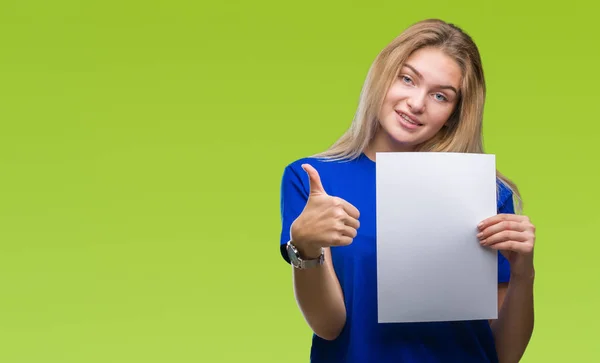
x=407, y=121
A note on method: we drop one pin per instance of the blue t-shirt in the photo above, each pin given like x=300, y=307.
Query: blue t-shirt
x=363, y=339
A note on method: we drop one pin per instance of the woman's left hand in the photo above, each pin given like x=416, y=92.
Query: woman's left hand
x=514, y=236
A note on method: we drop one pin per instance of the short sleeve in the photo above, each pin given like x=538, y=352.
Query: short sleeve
x=505, y=206
x=293, y=198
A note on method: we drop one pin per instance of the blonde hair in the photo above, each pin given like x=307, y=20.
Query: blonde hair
x=463, y=131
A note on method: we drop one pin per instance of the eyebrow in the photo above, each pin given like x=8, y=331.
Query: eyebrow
x=421, y=76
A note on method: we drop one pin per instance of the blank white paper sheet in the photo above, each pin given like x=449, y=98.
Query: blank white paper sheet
x=430, y=265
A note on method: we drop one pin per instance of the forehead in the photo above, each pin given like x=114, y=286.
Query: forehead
x=435, y=66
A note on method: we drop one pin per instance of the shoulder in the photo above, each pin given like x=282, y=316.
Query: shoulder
x=296, y=165
x=332, y=173
x=295, y=179
x=294, y=170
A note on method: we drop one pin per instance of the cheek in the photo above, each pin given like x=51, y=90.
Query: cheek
x=440, y=115
x=395, y=93
x=389, y=103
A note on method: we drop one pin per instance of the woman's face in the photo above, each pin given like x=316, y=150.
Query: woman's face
x=419, y=101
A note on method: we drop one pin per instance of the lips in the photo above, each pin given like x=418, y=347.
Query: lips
x=410, y=119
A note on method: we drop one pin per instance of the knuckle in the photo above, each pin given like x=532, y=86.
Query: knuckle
x=336, y=239
x=338, y=227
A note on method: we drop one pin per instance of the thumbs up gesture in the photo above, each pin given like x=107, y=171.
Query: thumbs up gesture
x=325, y=221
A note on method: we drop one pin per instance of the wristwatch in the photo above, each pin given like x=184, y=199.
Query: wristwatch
x=298, y=262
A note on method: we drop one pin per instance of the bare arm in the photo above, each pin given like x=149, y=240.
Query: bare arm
x=320, y=299
x=514, y=236
x=514, y=326
x=326, y=221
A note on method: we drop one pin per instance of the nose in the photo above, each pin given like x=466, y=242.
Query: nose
x=416, y=103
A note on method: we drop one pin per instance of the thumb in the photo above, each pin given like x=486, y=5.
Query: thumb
x=314, y=179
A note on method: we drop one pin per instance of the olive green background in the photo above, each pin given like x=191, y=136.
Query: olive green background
x=142, y=146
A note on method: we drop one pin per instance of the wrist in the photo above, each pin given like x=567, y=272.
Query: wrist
x=308, y=251
x=525, y=275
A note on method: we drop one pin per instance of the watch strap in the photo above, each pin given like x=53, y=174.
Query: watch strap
x=298, y=262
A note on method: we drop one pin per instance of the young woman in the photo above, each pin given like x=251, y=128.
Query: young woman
x=424, y=92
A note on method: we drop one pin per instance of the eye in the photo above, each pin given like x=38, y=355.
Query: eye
x=440, y=97
x=406, y=79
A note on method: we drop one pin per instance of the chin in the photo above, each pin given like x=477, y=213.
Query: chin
x=401, y=137
x=402, y=143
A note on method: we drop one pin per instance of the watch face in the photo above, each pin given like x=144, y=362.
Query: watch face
x=293, y=255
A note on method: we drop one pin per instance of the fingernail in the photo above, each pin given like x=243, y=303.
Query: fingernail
x=479, y=235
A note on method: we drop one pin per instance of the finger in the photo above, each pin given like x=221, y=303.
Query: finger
x=316, y=187
x=345, y=230
x=501, y=226
x=349, y=232
x=340, y=239
x=503, y=237
x=514, y=246
x=351, y=222
x=500, y=218
x=349, y=208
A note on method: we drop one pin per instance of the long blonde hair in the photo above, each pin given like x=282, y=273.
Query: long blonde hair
x=462, y=133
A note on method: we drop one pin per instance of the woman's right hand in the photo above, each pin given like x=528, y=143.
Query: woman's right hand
x=325, y=221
